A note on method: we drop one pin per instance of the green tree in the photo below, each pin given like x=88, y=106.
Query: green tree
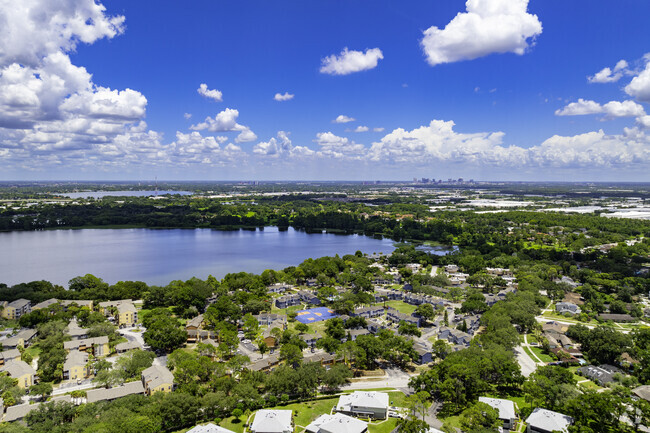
x=479, y=416
x=291, y=354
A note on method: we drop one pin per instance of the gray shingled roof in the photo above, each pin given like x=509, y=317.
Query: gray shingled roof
x=17, y=368
x=157, y=375
x=101, y=394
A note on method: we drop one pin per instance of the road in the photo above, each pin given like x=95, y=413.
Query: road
x=132, y=335
x=527, y=365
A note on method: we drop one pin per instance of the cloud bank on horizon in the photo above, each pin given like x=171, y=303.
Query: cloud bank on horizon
x=56, y=117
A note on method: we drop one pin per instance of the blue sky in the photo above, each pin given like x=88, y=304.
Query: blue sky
x=484, y=89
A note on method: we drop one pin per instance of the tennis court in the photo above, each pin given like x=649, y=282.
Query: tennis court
x=314, y=315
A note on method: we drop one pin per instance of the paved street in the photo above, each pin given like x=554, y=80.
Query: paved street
x=527, y=365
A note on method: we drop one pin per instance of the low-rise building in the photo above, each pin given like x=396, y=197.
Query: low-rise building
x=395, y=316
x=209, y=428
x=602, y=374
x=367, y=404
x=123, y=311
x=567, y=307
x=309, y=297
x=127, y=346
x=76, y=366
x=15, y=309
x=617, y=317
x=454, y=336
x=21, y=371
x=23, y=338
x=266, y=319
x=425, y=355
x=107, y=394
x=98, y=345
x=337, y=423
x=18, y=412
x=547, y=421
x=157, y=379
x=265, y=364
x=355, y=333
x=64, y=303
x=287, y=301
x=9, y=355
x=272, y=421
x=310, y=339
x=506, y=409
x=74, y=331
x=368, y=312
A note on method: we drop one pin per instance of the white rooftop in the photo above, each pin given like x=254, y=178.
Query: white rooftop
x=506, y=408
x=337, y=423
x=272, y=421
x=548, y=420
x=363, y=399
x=209, y=428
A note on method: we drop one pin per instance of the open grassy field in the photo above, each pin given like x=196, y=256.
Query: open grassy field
x=400, y=306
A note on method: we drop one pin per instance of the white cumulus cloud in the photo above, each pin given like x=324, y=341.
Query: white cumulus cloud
x=33, y=29
x=611, y=110
x=607, y=75
x=342, y=118
x=361, y=129
x=246, y=136
x=488, y=26
x=213, y=94
x=281, y=146
x=286, y=96
x=639, y=87
x=350, y=61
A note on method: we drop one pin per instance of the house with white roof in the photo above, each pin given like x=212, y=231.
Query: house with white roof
x=367, y=404
x=506, y=409
x=337, y=423
x=209, y=428
x=272, y=421
x=547, y=421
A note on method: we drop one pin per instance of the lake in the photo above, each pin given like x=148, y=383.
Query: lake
x=100, y=194
x=160, y=256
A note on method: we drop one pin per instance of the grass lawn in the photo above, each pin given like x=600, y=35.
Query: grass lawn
x=453, y=421
x=531, y=339
x=541, y=355
x=33, y=350
x=237, y=427
x=400, y=306
x=307, y=411
x=384, y=426
x=530, y=353
x=314, y=328
x=589, y=385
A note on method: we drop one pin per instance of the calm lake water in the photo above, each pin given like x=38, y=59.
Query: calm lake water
x=161, y=256
x=100, y=194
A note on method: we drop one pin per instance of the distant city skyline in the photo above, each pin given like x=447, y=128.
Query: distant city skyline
x=490, y=90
